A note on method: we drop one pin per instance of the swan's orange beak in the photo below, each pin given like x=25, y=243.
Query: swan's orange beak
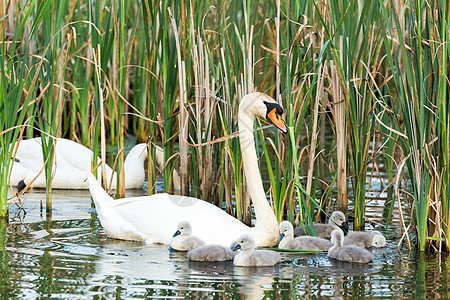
x=276, y=120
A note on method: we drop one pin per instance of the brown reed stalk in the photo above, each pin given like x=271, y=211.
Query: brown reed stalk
x=183, y=114
x=314, y=133
x=341, y=144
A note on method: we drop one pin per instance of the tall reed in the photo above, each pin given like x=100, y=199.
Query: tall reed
x=417, y=49
x=18, y=87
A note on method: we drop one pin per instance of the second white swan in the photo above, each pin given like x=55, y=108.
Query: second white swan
x=72, y=161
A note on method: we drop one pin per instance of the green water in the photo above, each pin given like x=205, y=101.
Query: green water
x=68, y=256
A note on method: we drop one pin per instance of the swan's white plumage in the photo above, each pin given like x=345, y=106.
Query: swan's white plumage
x=152, y=218
x=71, y=163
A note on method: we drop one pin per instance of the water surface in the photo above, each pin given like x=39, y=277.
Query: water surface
x=68, y=255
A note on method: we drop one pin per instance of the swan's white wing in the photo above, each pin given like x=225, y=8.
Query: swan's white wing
x=71, y=162
x=73, y=155
x=156, y=217
x=29, y=154
x=28, y=163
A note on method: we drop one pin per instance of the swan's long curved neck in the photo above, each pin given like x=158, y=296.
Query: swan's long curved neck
x=263, y=211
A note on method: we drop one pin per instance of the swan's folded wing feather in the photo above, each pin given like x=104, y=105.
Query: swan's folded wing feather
x=157, y=216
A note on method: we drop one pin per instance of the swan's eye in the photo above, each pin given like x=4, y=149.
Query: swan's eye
x=182, y=228
x=242, y=242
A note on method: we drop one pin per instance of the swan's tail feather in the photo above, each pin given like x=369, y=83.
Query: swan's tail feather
x=96, y=190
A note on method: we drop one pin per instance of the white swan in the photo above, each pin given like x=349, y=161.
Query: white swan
x=72, y=162
x=349, y=253
x=183, y=240
x=150, y=218
x=336, y=221
x=249, y=257
x=287, y=240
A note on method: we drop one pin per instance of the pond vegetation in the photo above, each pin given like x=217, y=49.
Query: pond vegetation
x=371, y=74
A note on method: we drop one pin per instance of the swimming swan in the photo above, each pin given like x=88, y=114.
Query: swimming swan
x=249, y=257
x=365, y=239
x=336, y=221
x=183, y=240
x=150, y=218
x=287, y=240
x=72, y=161
x=211, y=253
x=350, y=253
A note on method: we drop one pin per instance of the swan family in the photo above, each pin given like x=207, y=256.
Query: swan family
x=152, y=219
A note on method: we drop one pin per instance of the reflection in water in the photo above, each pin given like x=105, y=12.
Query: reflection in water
x=254, y=281
x=67, y=255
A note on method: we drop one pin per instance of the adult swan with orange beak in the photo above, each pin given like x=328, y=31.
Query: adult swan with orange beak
x=154, y=218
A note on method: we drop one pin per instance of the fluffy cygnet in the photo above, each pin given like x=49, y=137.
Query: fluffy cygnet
x=287, y=240
x=183, y=240
x=365, y=239
x=336, y=221
x=350, y=253
x=249, y=257
x=211, y=253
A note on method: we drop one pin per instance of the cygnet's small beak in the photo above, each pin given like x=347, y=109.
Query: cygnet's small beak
x=237, y=247
x=281, y=237
x=344, y=227
x=176, y=233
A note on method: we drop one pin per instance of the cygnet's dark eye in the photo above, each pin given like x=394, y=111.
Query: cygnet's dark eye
x=242, y=241
x=182, y=228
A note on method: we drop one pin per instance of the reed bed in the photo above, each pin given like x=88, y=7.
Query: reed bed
x=364, y=85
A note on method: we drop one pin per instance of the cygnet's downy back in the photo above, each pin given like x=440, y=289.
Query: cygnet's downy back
x=211, y=253
x=365, y=239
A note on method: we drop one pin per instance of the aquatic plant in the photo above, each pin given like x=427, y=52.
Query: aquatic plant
x=363, y=83
x=18, y=88
x=416, y=44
